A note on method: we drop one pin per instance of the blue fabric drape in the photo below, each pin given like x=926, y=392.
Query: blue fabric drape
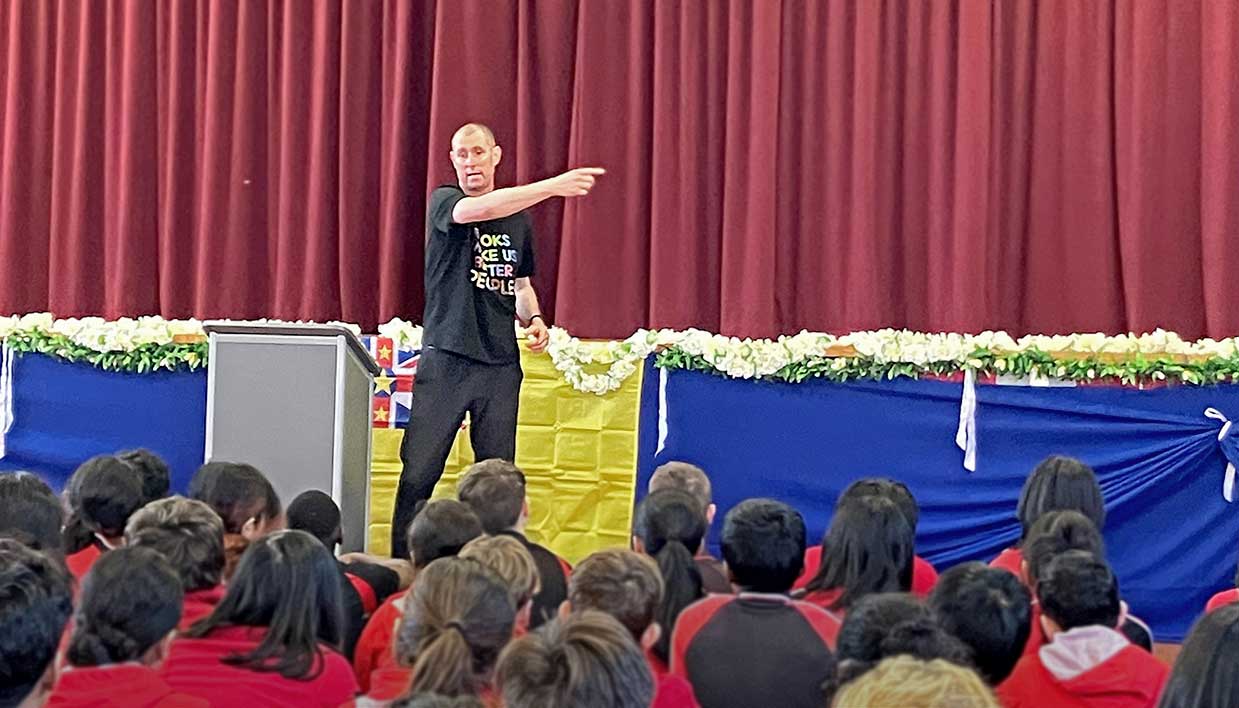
x=65, y=413
x=1170, y=535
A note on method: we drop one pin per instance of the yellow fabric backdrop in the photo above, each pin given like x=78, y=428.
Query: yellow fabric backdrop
x=579, y=454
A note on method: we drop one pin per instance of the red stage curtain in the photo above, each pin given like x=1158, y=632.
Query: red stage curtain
x=1041, y=166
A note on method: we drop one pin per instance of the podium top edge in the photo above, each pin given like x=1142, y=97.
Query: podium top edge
x=297, y=329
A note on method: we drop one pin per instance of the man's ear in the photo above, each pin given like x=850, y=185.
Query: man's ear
x=496, y=154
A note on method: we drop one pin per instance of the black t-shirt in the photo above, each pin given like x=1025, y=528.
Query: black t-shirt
x=471, y=272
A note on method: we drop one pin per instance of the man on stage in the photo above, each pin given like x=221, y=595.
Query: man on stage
x=479, y=258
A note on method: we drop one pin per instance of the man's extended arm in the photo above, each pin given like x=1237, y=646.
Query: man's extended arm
x=509, y=200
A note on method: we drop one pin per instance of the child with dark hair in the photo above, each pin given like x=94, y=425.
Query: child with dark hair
x=923, y=573
x=105, y=490
x=495, y=491
x=1204, y=674
x=628, y=586
x=274, y=638
x=31, y=513
x=1087, y=661
x=458, y=617
x=191, y=537
x=1058, y=483
x=125, y=622
x=439, y=529
x=871, y=548
x=891, y=624
x=36, y=599
x=759, y=647
x=244, y=499
x=669, y=526
x=152, y=470
x=692, y=480
x=585, y=659
x=362, y=585
x=989, y=610
x=1052, y=535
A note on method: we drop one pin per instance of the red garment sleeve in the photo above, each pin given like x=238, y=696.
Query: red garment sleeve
x=924, y=577
x=375, y=641
x=822, y=621
x=690, y=621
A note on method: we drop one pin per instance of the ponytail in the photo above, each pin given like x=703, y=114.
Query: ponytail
x=682, y=587
x=444, y=664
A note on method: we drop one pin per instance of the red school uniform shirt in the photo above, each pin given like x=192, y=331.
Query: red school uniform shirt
x=924, y=575
x=195, y=666
x=1088, y=667
x=130, y=685
x=1222, y=599
x=199, y=604
x=374, y=647
x=1012, y=560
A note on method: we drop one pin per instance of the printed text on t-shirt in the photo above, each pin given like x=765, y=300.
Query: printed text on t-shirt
x=494, y=263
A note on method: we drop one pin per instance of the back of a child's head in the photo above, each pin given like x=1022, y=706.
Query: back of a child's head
x=495, y=491
x=1060, y=484
x=685, y=477
x=152, y=470
x=31, y=513
x=440, y=528
x=891, y=624
x=316, y=513
x=908, y=682
x=107, y=491
x=670, y=523
x=457, y=618
x=238, y=492
x=131, y=600
x=585, y=659
x=893, y=490
x=1204, y=674
x=621, y=583
x=763, y=545
x=1055, y=533
x=511, y=560
x=1078, y=589
x=869, y=549
x=36, y=598
x=289, y=584
x=989, y=609
x=188, y=533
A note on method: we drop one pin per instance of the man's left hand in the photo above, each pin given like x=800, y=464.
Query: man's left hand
x=537, y=334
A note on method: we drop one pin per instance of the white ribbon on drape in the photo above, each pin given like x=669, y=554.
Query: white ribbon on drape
x=662, y=410
x=1228, y=483
x=6, y=395
x=966, y=434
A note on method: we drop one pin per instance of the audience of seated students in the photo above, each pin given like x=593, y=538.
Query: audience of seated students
x=759, y=647
x=457, y=619
x=274, y=637
x=125, y=621
x=666, y=525
x=990, y=611
x=891, y=624
x=191, y=537
x=908, y=682
x=924, y=575
x=244, y=500
x=105, y=491
x=628, y=586
x=439, y=529
x=1057, y=484
x=495, y=491
x=1204, y=673
x=31, y=513
x=36, y=599
x=1087, y=661
x=870, y=551
x=515, y=565
x=152, y=471
x=585, y=659
x=362, y=585
x=692, y=480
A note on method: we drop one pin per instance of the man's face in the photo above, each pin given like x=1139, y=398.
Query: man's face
x=475, y=159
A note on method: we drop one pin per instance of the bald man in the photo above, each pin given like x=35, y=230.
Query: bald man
x=479, y=258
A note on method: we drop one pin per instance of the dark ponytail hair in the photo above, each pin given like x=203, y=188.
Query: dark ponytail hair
x=289, y=584
x=131, y=599
x=868, y=549
x=458, y=617
x=671, y=524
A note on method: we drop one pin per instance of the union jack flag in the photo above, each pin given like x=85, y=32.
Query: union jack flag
x=393, y=389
